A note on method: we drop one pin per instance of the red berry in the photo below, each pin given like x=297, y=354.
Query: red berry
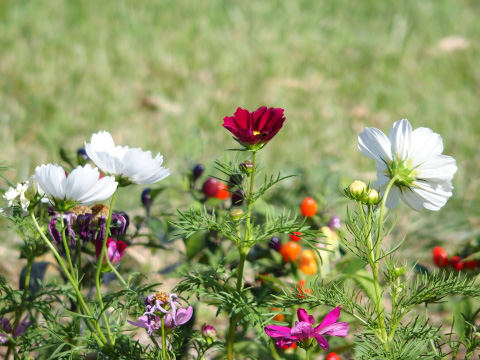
x=440, y=257
x=471, y=264
x=222, y=192
x=296, y=236
x=457, y=263
x=210, y=187
x=333, y=356
x=292, y=346
x=308, y=207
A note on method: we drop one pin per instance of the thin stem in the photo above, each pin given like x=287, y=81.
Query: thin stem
x=378, y=293
x=99, y=269
x=307, y=353
x=243, y=249
x=164, y=341
x=100, y=340
x=66, y=246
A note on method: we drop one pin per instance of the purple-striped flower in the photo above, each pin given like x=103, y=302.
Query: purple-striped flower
x=164, y=306
x=6, y=330
x=56, y=234
x=304, y=330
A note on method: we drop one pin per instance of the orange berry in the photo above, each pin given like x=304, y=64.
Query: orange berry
x=222, y=192
x=308, y=207
x=290, y=251
x=279, y=317
x=308, y=264
x=333, y=356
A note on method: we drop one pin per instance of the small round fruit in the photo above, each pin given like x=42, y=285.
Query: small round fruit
x=471, y=264
x=296, y=236
x=290, y=251
x=308, y=207
x=440, y=257
x=275, y=243
x=308, y=264
x=237, y=198
x=332, y=356
x=197, y=171
x=210, y=187
x=457, y=263
x=222, y=192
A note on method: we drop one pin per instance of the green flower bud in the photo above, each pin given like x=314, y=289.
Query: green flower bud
x=236, y=214
x=372, y=197
x=399, y=271
x=246, y=167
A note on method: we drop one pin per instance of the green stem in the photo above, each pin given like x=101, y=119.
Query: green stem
x=243, y=249
x=100, y=338
x=378, y=292
x=66, y=246
x=307, y=353
x=164, y=341
x=99, y=269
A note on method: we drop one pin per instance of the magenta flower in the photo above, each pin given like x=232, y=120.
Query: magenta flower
x=6, y=330
x=254, y=130
x=304, y=330
x=115, y=250
x=162, y=306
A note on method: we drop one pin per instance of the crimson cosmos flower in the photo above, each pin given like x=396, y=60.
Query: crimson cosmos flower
x=254, y=129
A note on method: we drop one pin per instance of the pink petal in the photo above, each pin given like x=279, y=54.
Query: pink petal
x=182, y=315
x=276, y=331
x=337, y=329
x=322, y=342
x=142, y=322
x=329, y=319
x=303, y=316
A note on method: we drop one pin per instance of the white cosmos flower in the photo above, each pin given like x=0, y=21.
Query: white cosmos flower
x=424, y=174
x=132, y=165
x=82, y=186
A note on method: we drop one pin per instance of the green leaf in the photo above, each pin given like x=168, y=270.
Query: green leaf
x=194, y=244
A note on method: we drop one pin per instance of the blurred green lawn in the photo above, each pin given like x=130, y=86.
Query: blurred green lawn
x=158, y=74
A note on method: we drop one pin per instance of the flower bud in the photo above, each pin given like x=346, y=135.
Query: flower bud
x=236, y=214
x=372, y=198
x=146, y=200
x=357, y=189
x=246, y=167
x=399, y=271
x=235, y=180
x=197, y=171
x=209, y=331
x=237, y=198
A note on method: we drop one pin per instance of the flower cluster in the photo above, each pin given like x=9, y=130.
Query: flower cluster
x=162, y=307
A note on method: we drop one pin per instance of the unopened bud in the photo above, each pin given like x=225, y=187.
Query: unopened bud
x=399, y=271
x=197, y=171
x=146, y=199
x=236, y=214
x=246, y=167
x=372, y=197
x=209, y=331
x=357, y=189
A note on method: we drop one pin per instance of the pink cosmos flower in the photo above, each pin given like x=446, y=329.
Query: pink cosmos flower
x=254, y=129
x=304, y=330
x=115, y=250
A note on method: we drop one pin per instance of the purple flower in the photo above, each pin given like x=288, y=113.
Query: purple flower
x=162, y=306
x=304, y=330
x=119, y=224
x=6, y=329
x=335, y=222
x=56, y=234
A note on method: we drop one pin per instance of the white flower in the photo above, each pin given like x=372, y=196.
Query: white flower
x=132, y=165
x=81, y=187
x=15, y=196
x=424, y=175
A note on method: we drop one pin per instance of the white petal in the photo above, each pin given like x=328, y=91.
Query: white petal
x=425, y=144
x=374, y=144
x=438, y=168
x=51, y=179
x=102, y=141
x=81, y=181
x=101, y=190
x=400, y=136
x=412, y=199
x=393, y=197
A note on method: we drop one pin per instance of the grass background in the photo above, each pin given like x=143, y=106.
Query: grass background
x=163, y=74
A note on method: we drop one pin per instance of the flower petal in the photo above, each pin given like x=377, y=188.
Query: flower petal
x=303, y=316
x=393, y=197
x=374, y=144
x=337, y=329
x=276, y=331
x=183, y=315
x=331, y=318
x=425, y=143
x=322, y=342
x=400, y=136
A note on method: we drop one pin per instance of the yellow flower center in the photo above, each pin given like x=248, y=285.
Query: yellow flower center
x=162, y=296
